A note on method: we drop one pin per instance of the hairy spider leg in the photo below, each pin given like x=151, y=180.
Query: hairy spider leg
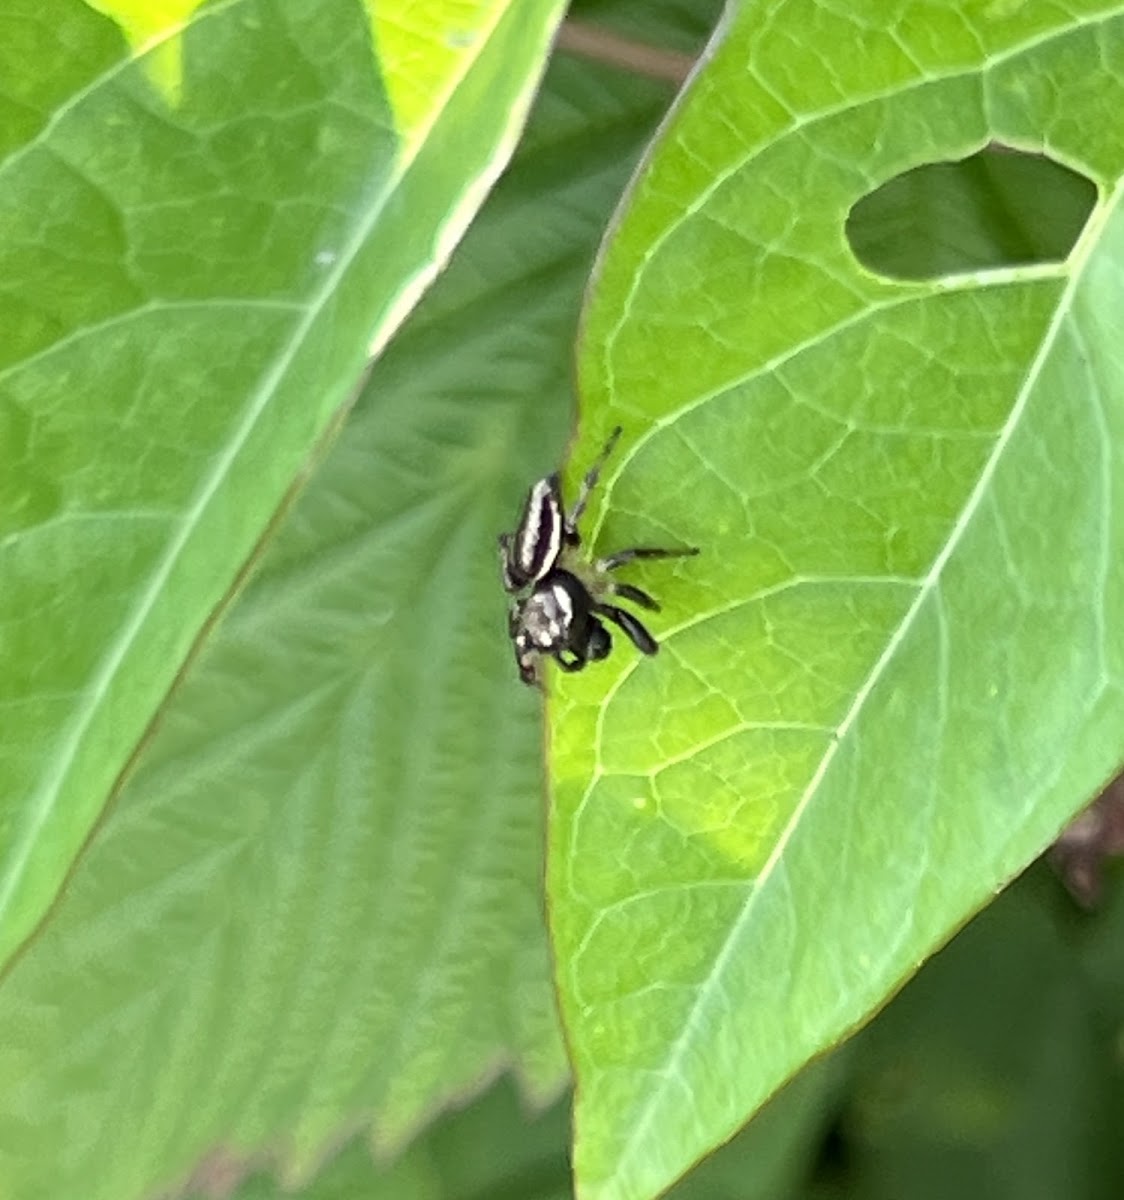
x=612, y=561
x=597, y=647
x=637, y=595
x=599, y=643
x=594, y=644
x=573, y=538
x=639, y=636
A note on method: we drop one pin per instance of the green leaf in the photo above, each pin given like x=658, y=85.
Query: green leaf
x=994, y=1074
x=773, y=1156
x=317, y=904
x=895, y=669
x=495, y=1148
x=208, y=227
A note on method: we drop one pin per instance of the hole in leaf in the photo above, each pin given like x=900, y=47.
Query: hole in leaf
x=997, y=208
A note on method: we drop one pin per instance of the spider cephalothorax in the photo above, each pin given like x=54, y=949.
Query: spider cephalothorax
x=558, y=599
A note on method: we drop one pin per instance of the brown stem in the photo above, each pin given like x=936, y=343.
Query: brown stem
x=590, y=41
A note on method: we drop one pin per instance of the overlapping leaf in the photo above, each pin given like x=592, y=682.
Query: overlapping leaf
x=210, y=217
x=992, y=1074
x=895, y=669
x=317, y=905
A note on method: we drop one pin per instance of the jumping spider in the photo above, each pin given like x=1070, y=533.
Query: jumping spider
x=558, y=598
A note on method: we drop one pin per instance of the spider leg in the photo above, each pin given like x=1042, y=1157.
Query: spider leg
x=587, y=486
x=630, y=592
x=599, y=643
x=611, y=561
x=528, y=664
x=640, y=637
x=595, y=646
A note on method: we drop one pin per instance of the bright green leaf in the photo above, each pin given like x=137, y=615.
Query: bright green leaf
x=195, y=270
x=895, y=669
x=317, y=905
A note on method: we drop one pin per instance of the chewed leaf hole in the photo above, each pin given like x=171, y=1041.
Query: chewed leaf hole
x=998, y=208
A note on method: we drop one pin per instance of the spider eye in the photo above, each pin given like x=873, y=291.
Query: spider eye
x=530, y=552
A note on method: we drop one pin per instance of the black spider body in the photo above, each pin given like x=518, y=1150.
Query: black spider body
x=558, y=602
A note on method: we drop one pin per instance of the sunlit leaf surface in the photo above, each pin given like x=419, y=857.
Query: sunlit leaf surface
x=210, y=218
x=895, y=669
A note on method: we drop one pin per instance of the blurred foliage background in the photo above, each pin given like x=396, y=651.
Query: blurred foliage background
x=277, y=971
